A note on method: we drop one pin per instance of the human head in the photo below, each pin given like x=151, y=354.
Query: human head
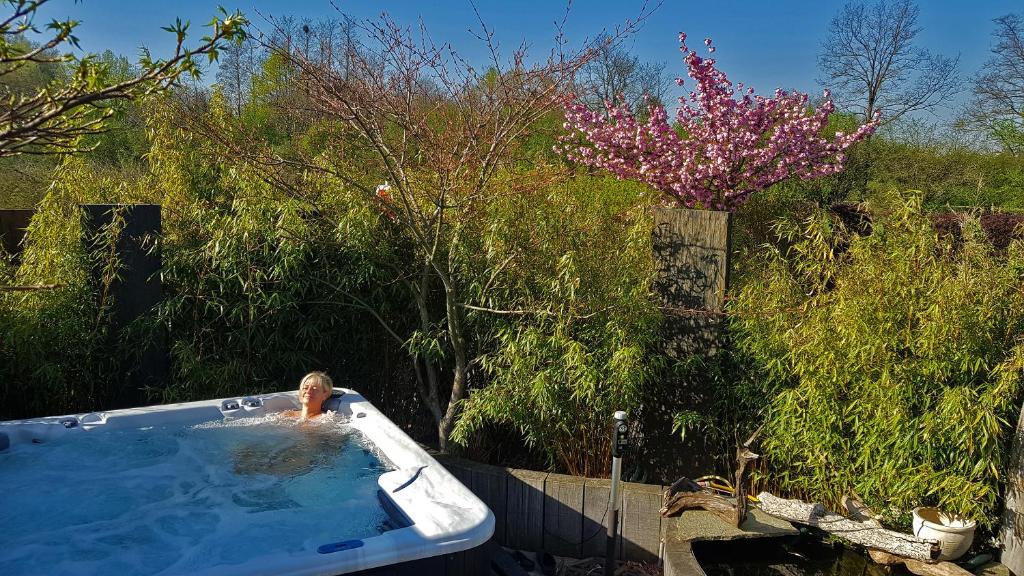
x=314, y=388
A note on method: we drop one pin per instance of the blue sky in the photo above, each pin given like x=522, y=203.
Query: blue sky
x=765, y=44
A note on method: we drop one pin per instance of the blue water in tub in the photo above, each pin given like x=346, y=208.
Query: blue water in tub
x=177, y=500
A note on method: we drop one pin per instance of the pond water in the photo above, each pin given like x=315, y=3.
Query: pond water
x=797, y=557
x=179, y=500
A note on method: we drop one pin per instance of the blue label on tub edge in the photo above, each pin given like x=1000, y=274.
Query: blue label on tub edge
x=339, y=546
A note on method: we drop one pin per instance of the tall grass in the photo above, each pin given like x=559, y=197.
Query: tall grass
x=892, y=362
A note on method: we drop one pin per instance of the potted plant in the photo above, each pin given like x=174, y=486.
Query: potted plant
x=954, y=533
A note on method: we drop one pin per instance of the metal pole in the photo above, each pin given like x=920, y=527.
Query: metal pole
x=619, y=442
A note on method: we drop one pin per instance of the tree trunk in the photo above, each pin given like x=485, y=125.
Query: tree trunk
x=428, y=387
x=458, y=343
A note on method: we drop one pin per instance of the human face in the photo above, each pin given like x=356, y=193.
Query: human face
x=312, y=393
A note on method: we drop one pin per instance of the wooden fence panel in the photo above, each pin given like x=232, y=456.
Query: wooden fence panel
x=524, y=511
x=563, y=523
x=564, y=515
x=490, y=484
x=136, y=291
x=640, y=522
x=596, y=495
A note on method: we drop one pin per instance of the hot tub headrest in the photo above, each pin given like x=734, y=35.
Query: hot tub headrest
x=333, y=404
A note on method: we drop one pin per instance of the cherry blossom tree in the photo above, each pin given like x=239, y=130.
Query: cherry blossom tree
x=722, y=148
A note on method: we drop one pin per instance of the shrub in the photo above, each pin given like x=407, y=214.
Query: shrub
x=56, y=355
x=892, y=369
x=573, y=270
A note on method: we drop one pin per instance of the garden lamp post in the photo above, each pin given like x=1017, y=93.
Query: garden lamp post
x=620, y=440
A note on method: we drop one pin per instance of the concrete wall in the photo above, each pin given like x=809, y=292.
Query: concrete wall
x=563, y=515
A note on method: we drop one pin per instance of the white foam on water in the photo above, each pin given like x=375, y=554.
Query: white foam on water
x=176, y=500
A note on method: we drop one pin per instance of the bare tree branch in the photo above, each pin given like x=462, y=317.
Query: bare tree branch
x=869, y=62
x=997, y=106
x=54, y=119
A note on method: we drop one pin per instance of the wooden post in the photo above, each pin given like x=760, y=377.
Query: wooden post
x=691, y=253
x=136, y=291
x=691, y=250
x=13, y=224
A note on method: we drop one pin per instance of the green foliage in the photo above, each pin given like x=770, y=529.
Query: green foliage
x=949, y=172
x=260, y=288
x=53, y=118
x=892, y=368
x=569, y=269
x=124, y=141
x=56, y=355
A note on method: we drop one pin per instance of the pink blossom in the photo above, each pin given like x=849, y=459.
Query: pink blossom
x=726, y=147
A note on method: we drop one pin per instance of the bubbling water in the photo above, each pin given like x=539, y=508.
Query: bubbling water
x=179, y=500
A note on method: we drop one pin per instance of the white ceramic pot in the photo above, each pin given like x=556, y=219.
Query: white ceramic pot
x=954, y=533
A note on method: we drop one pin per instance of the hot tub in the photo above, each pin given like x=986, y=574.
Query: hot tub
x=232, y=487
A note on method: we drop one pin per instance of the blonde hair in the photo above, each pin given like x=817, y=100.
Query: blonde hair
x=320, y=378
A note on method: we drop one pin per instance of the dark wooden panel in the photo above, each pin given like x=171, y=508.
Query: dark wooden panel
x=435, y=565
x=524, y=509
x=137, y=289
x=473, y=562
x=596, y=494
x=13, y=224
x=457, y=467
x=563, y=521
x=640, y=522
x=490, y=484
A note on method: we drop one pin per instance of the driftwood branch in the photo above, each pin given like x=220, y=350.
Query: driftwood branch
x=917, y=566
x=30, y=288
x=857, y=510
x=724, y=508
x=868, y=534
x=744, y=456
x=685, y=494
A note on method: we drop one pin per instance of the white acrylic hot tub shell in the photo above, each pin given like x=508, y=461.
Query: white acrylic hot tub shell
x=446, y=517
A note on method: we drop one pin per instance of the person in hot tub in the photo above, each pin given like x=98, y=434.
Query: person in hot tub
x=314, y=389
x=295, y=459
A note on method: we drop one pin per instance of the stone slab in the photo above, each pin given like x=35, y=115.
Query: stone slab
x=680, y=561
x=694, y=525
